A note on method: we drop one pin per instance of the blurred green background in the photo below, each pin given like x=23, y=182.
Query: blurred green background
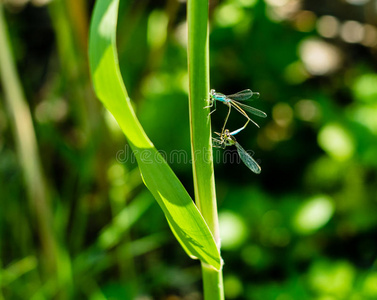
x=305, y=228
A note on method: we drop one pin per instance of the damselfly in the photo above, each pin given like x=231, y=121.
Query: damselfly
x=227, y=139
x=233, y=101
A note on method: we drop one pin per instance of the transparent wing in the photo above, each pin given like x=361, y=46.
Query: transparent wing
x=248, y=160
x=217, y=143
x=243, y=95
x=251, y=109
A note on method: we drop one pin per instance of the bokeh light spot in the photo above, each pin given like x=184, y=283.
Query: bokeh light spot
x=55, y=110
x=328, y=26
x=232, y=229
x=305, y=21
x=308, y=110
x=295, y=73
x=366, y=115
x=232, y=287
x=15, y=5
x=155, y=83
x=365, y=88
x=370, y=285
x=335, y=278
x=180, y=34
x=313, y=214
x=336, y=141
x=282, y=114
x=319, y=57
x=228, y=15
x=370, y=36
x=279, y=10
x=357, y=2
x=157, y=28
x=276, y=133
x=116, y=173
x=40, y=2
x=324, y=172
x=352, y=32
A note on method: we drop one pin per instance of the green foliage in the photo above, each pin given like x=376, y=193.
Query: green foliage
x=183, y=217
x=302, y=229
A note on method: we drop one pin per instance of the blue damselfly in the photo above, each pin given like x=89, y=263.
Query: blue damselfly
x=233, y=101
x=227, y=139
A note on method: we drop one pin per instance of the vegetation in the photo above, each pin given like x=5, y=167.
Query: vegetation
x=77, y=221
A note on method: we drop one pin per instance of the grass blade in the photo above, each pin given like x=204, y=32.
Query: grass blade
x=183, y=216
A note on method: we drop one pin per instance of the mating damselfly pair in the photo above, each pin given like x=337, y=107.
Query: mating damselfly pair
x=226, y=138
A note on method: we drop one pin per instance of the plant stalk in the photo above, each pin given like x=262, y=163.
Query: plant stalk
x=27, y=149
x=200, y=126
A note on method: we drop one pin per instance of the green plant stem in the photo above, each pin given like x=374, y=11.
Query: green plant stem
x=201, y=146
x=27, y=149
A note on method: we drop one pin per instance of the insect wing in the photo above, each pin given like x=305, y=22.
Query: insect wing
x=248, y=160
x=251, y=109
x=217, y=143
x=244, y=95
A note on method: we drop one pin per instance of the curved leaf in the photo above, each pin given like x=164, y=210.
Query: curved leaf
x=183, y=216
